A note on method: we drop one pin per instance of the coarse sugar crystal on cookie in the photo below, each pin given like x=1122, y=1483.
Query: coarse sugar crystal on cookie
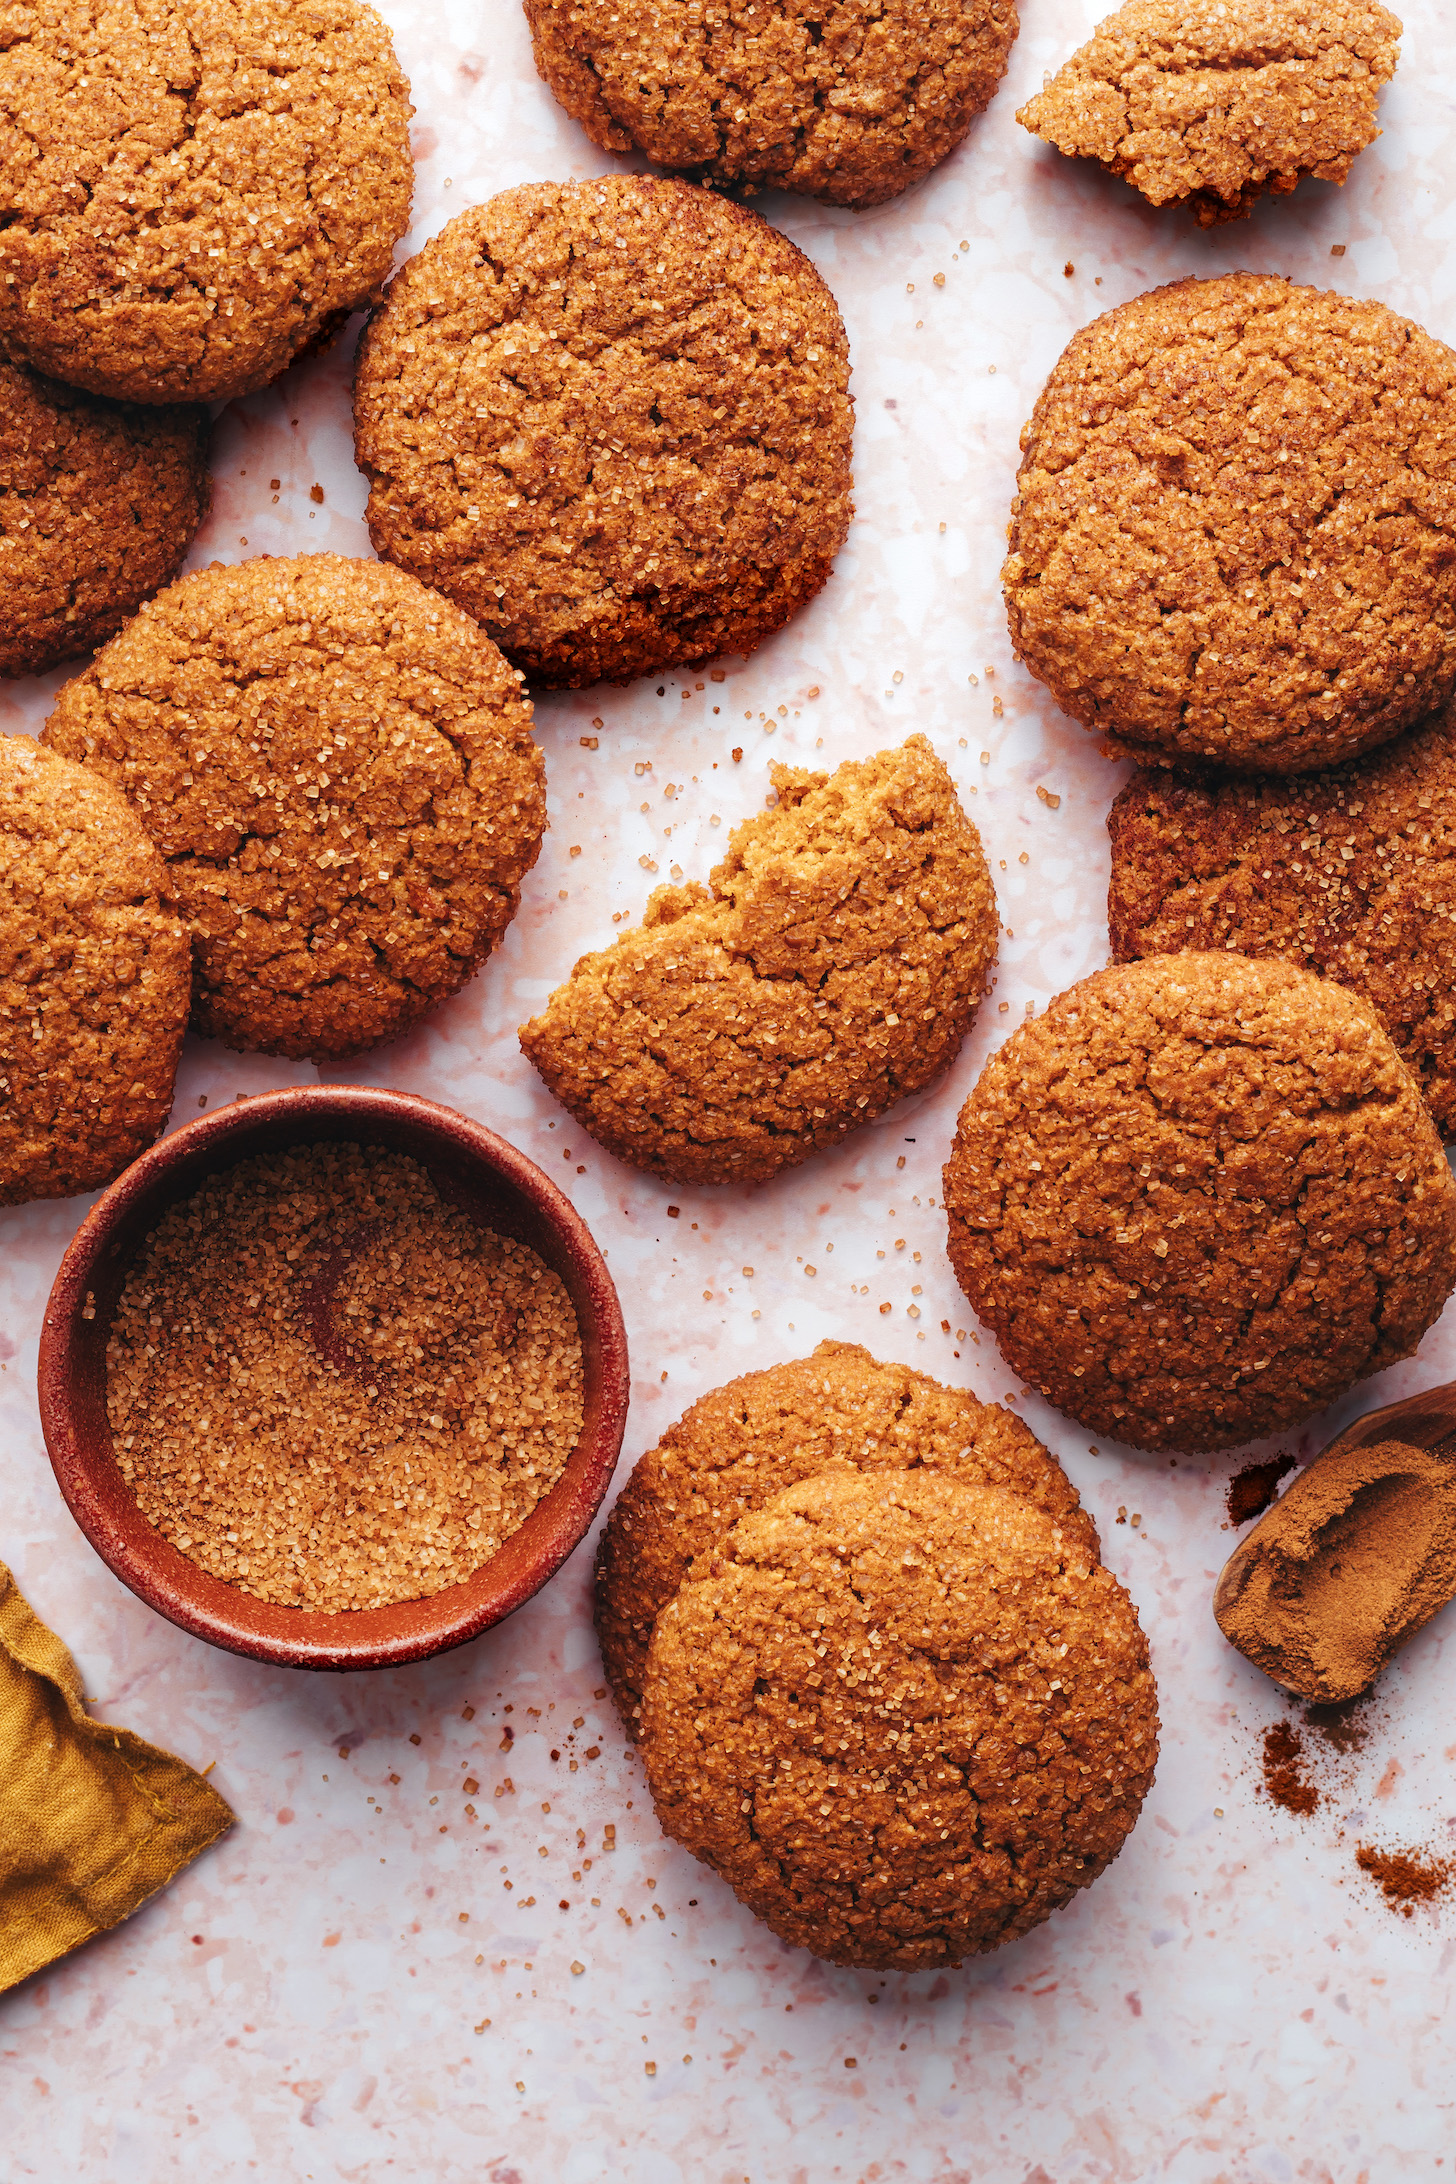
x=340, y=773
x=95, y=976
x=611, y=420
x=195, y=191
x=1199, y=1199
x=1234, y=533
x=1351, y=873
x=99, y=502
x=850, y=101
x=1212, y=104
x=838, y=1410
x=905, y=1718
x=834, y=967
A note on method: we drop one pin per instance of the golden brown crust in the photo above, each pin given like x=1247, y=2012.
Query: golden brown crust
x=839, y=1410
x=1234, y=536
x=836, y=967
x=904, y=1718
x=99, y=502
x=1210, y=105
x=193, y=188
x=1199, y=1199
x=850, y=101
x=611, y=420
x=94, y=979
x=1350, y=873
x=339, y=770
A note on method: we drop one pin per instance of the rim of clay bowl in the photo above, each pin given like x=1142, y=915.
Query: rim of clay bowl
x=472, y=1168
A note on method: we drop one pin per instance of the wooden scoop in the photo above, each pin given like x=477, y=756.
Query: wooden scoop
x=1354, y=1558
x=1427, y=1420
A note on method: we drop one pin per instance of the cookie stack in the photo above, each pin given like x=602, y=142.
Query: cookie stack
x=880, y=1680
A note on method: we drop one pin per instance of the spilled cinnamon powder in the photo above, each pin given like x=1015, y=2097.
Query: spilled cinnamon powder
x=1285, y=1782
x=1404, y=1877
x=1251, y=1490
x=1343, y=1724
x=1302, y=1772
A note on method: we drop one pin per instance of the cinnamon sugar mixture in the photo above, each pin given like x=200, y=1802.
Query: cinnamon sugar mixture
x=330, y=1388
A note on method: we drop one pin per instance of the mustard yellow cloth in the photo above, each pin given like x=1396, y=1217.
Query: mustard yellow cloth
x=92, y=1820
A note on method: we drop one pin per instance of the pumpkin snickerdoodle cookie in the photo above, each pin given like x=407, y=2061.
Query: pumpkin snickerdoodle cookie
x=839, y=1410
x=94, y=979
x=194, y=191
x=99, y=502
x=1350, y=873
x=1234, y=534
x=905, y=1718
x=1199, y=1199
x=1211, y=105
x=846, y=100
x=611, y=420
x=339, y=771
x=834, y=966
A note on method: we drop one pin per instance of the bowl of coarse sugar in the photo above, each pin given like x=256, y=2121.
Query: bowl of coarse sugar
x=334, y=1377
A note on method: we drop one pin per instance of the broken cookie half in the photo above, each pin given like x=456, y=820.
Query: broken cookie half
x=1215, y=104
x=833, y=967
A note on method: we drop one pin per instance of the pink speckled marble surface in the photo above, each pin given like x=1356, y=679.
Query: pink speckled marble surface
x=345, y=1989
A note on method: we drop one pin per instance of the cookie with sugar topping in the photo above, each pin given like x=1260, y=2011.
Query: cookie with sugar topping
x=1199, y=1199
x=833, y=967
x=95, y=976
x=839, y=99
x=99, y=502
x=195, y=191
x=612, y=421
x=338, y=768
x=903, y=1717
x=1234, y=533
x=1213, y=104
x=838, y=1410
x=1350, y=872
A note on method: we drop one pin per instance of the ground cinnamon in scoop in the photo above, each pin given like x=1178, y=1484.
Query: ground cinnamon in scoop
x=332, y=1389
x=1355, y=1557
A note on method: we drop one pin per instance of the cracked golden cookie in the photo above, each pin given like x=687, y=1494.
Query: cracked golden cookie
x=1199, y=1199
x=194, y=191
x=339, y=771
x=1211, y=105
x=905, y=1718
x=611, y=420
x=846, y=100
x=99, y=502
x=1350, y=873
x=95, y=975
x=835, y=966
x=1234, y=534
x=839, y=1410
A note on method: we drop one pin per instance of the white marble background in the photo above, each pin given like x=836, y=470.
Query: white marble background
x=1232, y=2001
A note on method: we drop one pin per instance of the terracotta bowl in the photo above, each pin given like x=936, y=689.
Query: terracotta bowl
x=471, y=1168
